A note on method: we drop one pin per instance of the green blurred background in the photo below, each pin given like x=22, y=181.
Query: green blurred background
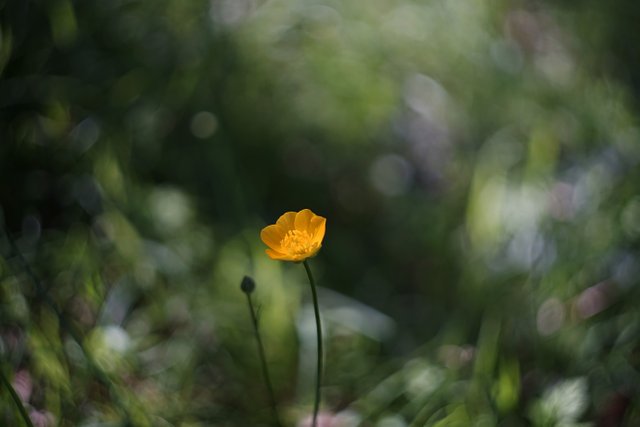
x=478, y=164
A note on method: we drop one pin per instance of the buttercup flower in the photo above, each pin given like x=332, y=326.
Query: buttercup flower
x=296, y=236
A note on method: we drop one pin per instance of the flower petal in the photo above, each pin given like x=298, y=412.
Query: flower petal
x=278, y=256
x=287, y=221
x=317, y=228
x=313, y=252
x=272, y=235
x=303, y=219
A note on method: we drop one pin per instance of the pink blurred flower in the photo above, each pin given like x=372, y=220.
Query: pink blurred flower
x=42, y=418
x=23, y=385
x=326, y=419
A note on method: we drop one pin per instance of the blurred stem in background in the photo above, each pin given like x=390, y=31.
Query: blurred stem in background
x=97, y=371
x=16, y=399
x=316, y=310
x=248, y=285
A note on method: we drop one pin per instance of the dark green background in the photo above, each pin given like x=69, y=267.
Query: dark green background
x=478, y=164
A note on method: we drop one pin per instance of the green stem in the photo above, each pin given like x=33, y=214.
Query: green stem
x=263, y=362
x=17, y=400
x=316, y=308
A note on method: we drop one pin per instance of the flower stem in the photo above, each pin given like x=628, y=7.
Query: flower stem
x=263, y=362
x=316, y=309
x=16, y=400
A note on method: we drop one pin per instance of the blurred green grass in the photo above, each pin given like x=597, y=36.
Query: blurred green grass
x=477, y=164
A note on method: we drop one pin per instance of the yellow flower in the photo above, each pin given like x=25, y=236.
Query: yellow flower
x=296, y=236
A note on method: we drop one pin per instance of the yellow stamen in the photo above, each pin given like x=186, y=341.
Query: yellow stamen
x=298, y=242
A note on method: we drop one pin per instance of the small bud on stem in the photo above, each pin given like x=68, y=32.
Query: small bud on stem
x=248, y=285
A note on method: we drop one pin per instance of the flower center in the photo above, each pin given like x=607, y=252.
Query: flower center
x=298, y=242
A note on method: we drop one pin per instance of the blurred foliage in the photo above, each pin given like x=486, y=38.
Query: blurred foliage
x=478, y=163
